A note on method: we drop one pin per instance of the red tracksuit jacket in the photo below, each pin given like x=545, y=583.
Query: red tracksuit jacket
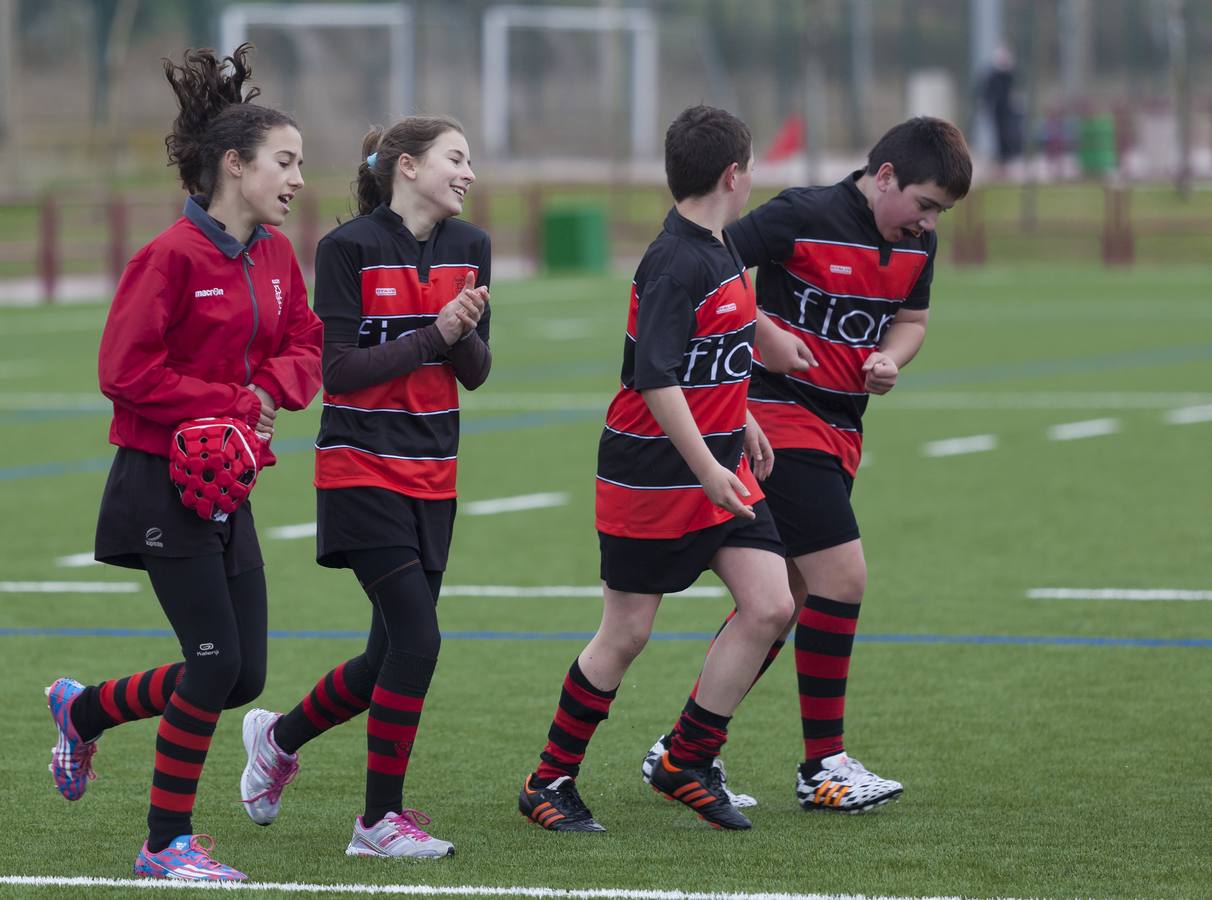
x=198, y=317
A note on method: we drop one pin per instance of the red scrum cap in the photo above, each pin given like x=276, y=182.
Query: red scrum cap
x=213, y=462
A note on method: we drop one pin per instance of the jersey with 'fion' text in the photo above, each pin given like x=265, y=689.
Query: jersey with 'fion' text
x=690, y=324
x=374, y=283
x=827, y=276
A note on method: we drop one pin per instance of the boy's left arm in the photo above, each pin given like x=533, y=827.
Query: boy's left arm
x=900, y=344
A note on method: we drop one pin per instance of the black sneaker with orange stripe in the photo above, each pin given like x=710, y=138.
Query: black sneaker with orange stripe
x=700, y=789
x=556, y=807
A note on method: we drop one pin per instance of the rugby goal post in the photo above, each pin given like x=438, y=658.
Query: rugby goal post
x=393, y=18
x=499, y=21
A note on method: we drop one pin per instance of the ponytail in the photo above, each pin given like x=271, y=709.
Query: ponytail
x=382, y=148
x=215, y=116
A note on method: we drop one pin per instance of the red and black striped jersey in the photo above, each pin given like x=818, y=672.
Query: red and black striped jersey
x=826, y=275
x=375, y=283
x=691, y=324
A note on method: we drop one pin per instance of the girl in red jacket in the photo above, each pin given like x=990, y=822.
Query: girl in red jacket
x=209, y=319
x=403, y=292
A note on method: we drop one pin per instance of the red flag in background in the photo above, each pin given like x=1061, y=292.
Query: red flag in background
x=788, y=142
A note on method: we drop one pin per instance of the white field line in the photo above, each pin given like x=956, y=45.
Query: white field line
x=474, y=508
x=1140, y=594
x=1073, y=431
x=292, y=532
x=514, y=504
x=413, y=890
x=1189, y=415
x=76, y=561
x=559, y=590
x=977, y=443
x=69, y=587
x=1016, y=400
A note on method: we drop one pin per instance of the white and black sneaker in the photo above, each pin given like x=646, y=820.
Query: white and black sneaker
x=844, y=785
x=658, y=749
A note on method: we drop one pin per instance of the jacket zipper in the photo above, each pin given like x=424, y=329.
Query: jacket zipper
x=252, y=295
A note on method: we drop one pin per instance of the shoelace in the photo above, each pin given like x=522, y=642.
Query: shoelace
x=852, y=769
x=281, y=773
x=715, y=780
x=203, y=851
x=567, y=790
x=79, y=761
x=408, y=823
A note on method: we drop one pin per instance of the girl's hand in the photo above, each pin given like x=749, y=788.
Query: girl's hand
x=725, y=490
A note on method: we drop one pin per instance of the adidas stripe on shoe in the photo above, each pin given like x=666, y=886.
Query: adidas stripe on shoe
x=71, y=762
x=186, y=858
x=843, y=785
x=398, y=835
x=268, y=771
x=740, y=801
x=700, y=789
x=556, y=807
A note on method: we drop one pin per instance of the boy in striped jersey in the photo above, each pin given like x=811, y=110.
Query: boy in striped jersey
x=843, y=283
x=675, y=491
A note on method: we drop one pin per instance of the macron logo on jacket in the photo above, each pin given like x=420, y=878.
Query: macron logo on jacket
x=208, y=292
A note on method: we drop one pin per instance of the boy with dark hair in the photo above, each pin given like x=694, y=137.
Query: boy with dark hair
x=675, y=491
x=843, y=284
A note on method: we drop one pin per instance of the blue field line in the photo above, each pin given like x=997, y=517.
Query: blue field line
x=1004, y=639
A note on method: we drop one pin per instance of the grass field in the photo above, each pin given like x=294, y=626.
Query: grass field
x=1048, y=747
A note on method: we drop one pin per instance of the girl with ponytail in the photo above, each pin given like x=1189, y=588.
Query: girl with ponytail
x=403, y=293
x=209, y=320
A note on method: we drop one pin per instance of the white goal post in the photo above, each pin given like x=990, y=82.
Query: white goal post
x=394, y=18
x=500, y=20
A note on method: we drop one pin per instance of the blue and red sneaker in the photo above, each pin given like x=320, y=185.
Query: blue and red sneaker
x=72, y=757
x=186, y=858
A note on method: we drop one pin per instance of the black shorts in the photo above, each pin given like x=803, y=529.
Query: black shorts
x=669, y=565
x=809, y=495
x=142, y=514
x=366, y=518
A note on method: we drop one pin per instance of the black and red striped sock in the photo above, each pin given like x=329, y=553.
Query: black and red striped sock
x=771, y=656
x=824, y=639
x=391, y=729
x=697, y=737
x=138, y=696
x=582, y=708
x=337, y=697
x=182, y=741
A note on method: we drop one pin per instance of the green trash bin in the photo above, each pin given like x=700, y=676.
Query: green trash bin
x=575, y=240
x=1096, y=145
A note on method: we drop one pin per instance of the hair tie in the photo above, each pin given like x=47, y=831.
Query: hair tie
x=372, y=159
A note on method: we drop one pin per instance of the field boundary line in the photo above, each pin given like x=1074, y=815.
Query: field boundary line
x=69, y=587
x=1137, y=594
x=419, y=890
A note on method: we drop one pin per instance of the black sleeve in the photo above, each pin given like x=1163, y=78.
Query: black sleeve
x=664, y=325
x=348, y=367
x=484, y=278
x=338, y=294
x=768, y=233
x=919, y=297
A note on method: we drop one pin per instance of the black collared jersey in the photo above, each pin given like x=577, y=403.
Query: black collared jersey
x=375, y=281
x=826, y=275
x=690, y=324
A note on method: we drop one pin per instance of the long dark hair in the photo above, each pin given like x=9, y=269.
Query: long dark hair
x=215, y=116
x=413, y=135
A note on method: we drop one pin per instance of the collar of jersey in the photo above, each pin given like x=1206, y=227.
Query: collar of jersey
x=393, y=221
x=678, y=224
x=229, y=246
